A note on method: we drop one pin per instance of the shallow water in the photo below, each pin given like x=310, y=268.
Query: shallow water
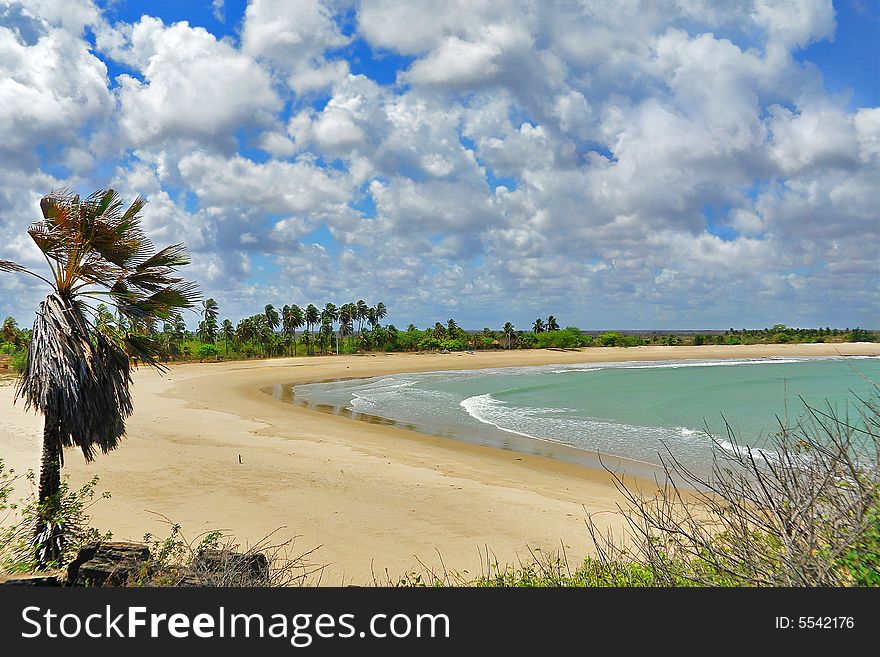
x=635, y=410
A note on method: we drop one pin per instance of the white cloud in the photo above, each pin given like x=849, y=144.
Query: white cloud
x=218, y=8
x=578, y=156
x=795, y=23
x=813, y=138
x=49, y=91
x=419, y=26
x=457, y=62
x=72, y=15
x=272, y=187
x=193, y=87
x=293, y=37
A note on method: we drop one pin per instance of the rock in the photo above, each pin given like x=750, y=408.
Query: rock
x=118, y=564
x=40, y=579
x=107, y=564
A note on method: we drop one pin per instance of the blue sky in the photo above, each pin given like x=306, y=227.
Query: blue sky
x=675, y=165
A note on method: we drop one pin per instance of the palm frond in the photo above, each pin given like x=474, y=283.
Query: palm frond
x=14, y=267
x=116, y=245
x=175, y=255
x=162, y=304
x=104, y=202
x=78, y=378
x=56, y=208
x=8, y=265
x=97, y=271
x=145, y=348
x=131, y=217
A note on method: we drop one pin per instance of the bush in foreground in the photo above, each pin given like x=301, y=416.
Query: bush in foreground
x=802, y=511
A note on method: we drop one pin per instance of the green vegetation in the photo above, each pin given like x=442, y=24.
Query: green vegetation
x=205, y=351
x=13, y=345
x=70, y=515
x=615, y=339
x=356, y=327
x=782, y=334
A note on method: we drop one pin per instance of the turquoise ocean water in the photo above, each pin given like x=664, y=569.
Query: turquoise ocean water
x=634, y=410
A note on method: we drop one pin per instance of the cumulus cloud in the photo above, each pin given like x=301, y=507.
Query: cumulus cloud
x=630, y=163
x=52, y=89
x=293, y=37
x=795, y=22
x=193, y=85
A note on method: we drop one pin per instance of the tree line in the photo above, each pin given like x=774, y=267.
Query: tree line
x=357, y=327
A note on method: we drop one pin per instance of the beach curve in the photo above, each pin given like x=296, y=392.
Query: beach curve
x=373, y=498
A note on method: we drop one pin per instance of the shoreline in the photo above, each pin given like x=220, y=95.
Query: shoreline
x=376, y=499
x=519, y=443
x=511, y=440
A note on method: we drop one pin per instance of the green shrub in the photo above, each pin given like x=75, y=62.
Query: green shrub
x=69, y=511
x=863, y=559
x=429, y=344
x=564, y=339
x=609, y=339
x=456, y=344
x=206, y=351
x=19, y=360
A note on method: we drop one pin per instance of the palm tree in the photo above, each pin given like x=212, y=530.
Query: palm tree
x=209, y=312
x=77, y=375
x=209, y=309
x=451, y=327
x=10, y=331
x=286, y=322
x=326, y=332
x=307, y=339
x=296, y=321
x=311, y=317
x=508, y=332
x=329, y=315
x=347, y=313
x=380, y=336
x=552, y=324
x=392, y=334
x=538, y=326
x=363, y=312
x=272, y=319
x=381, y=311
x=179, y=330
x=261, y=331
x=228, y=333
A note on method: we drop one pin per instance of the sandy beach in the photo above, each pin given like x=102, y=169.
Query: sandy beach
x=372, y=499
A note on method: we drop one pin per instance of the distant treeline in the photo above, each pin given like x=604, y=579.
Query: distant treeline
x=357, y=327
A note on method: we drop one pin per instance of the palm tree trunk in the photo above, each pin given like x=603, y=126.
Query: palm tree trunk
x=48, y=538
